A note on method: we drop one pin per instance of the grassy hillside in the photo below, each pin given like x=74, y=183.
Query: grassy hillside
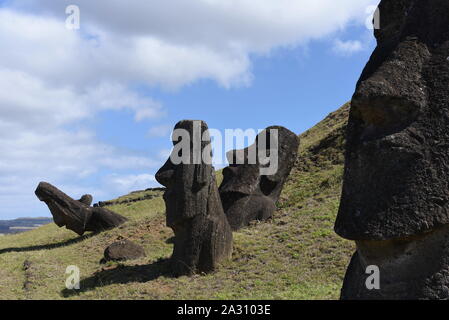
x=294, y=256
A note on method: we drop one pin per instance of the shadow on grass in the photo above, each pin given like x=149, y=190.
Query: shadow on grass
x=122, y=275
x=48, y=246
x=170, y=240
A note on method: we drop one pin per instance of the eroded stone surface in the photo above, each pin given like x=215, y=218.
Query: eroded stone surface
x=395, y=199
x=246, y=193
x=409, y=269
x=86, y=199
x=397, y=164
x=123, y=250
x=76, y=215
x=203, y=237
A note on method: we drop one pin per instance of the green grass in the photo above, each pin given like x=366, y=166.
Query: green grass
x=295, y=256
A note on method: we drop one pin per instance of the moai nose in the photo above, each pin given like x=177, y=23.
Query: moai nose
x=165, y=175
x=385, y=104
x=391, y=96
x=378, y=104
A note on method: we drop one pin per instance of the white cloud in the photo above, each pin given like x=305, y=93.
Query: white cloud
x=175, y=42
x=55, y=80
x=125, y=183
x=63, y=158
x=347, y=48
x=164, y=154
x=160, y=131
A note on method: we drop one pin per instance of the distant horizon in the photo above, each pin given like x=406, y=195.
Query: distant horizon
x=29, y=218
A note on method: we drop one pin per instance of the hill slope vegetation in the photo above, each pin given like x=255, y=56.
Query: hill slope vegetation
x=294, y=256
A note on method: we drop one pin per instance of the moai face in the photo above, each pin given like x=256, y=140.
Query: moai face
x=246, y=192
x=203, y=237
x=397, y=159
x=77, y=215
x=66, y=212
x=187, y=182
x=395, y=199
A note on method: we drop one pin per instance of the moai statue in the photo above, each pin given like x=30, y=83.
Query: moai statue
x=203, y=237
x=247, y=192
x=86, y=199
x=395, y=199
x=77, y=215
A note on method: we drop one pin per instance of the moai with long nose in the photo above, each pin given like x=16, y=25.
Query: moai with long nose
x=77, y=215
x=249, y=190
x=395, y=198
x=203, y=237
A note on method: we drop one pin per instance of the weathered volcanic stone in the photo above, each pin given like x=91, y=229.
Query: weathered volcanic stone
x=123, y=250
x=203, y=237
x=246, y=194
x=395, y=199
x=76, y=215
x=86, y=199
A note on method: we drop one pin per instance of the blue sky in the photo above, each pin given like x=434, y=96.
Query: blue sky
x=91, y=110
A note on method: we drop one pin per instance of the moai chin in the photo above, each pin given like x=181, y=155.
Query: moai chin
x=395, y=199
x=247, y=192
x=203, y=237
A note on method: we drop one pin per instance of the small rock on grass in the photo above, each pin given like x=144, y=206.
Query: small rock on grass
x=123, y=250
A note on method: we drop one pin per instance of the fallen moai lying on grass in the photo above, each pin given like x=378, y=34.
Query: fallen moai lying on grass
x=77, y=215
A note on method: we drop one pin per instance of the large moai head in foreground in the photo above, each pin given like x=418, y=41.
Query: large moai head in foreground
x=253, y=181
x=203, y=237
x=395, y=199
